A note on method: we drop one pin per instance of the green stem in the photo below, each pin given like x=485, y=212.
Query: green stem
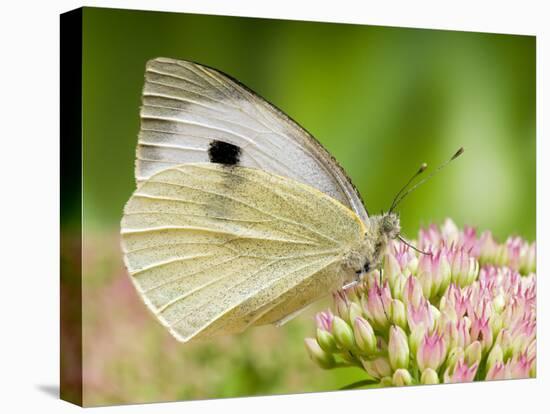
x=359, y=384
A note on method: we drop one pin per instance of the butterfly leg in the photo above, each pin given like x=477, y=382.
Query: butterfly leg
x=350, y=284
x=356, y=281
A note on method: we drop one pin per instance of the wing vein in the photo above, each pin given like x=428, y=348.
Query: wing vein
x=168, y=97
x=167, y=262
x=176, y=147
x=286, y=220
x=183, y=276
x=241, y=125
x=172, y=75
x=244, y=298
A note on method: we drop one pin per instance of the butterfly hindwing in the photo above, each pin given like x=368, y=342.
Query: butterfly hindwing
x=214, y=249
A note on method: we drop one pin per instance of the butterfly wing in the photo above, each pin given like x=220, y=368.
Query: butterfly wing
x=215, y=249
x=187, y=106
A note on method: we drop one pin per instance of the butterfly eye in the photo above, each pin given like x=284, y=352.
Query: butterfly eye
x=365, y=269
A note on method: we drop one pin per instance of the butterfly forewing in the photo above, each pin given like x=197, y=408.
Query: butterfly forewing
x=187, y=106
x=214, y=249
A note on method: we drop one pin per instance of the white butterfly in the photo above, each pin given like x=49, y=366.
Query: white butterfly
x=240, y=217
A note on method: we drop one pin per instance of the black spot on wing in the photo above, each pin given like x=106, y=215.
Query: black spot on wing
x=221, y=152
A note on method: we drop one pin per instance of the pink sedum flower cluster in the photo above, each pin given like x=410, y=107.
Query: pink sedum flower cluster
x=465, y=312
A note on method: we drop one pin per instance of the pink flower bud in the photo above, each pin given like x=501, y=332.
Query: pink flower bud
x=343, y=334
x=469, y=240
x=401, y=377
x=528, y=259
x=461, y=372
x=459, y=299
x=398, y=348
x=449, y=232
x=324, y=320
x=434, y=273
x=412, y=266
x=495, y=356
x=496, y=371
x=386, y=381
x=378, y=304
x=378, y=367
x=431, y=351
x=520, y=366
x=453, y=356
x=481, y=330
x=504, y=340
x=355, y=311
x=447, y=315
x=472, y=353
x=364, y=336
x=464, y=268
x=341, y=303
x=391, y=268
x=441, y=272
x=416, y=337
x=487, y=247
x=404, y=255
x=499, y=302
x=496, y=323
x=420, y=315
x=501, y=255
x=457, y=334
x=398, y=286
x=322, y=358
x=429, y=238
x=398, y=313
x=412, y=293
x=353, y=292
x=429, y=376
x=514, y=247
x=326, y=340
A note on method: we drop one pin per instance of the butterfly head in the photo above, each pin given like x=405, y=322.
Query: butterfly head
x=382, y=229
x=367, y=255
x=390, y=227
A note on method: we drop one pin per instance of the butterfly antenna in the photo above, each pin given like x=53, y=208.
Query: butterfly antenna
x=414, y=187
x=414, y=247
x=422, y=168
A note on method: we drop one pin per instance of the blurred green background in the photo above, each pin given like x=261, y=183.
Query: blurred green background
x=381, y=99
